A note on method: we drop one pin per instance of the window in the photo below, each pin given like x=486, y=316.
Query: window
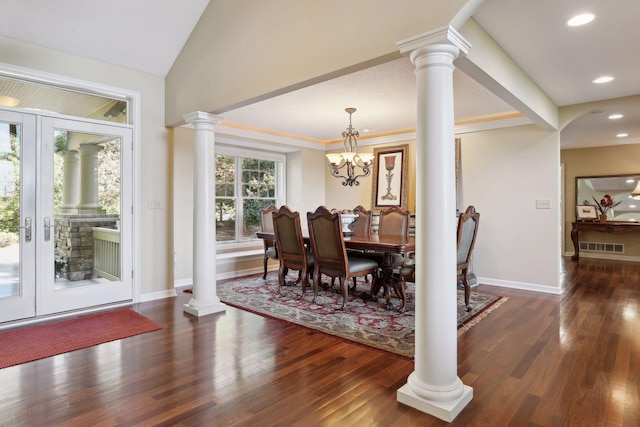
x=246, y=182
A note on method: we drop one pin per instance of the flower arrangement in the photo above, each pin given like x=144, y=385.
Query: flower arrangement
x=605, y=204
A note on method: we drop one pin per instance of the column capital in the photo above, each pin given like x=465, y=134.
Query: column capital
x=88, y=148
x=427, y=42
x=201, y=118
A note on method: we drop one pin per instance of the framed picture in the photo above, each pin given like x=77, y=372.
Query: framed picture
x=389, y=183
x=586, y=213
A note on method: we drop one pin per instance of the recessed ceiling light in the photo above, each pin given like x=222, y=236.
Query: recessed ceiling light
x=9, y=101
x=603, y=79
x=630, y=181
x=632, y=206
x=616, y=116
x=582, y=19
x=622, y=135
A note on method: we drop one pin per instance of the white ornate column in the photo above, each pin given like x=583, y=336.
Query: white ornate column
x=205, y=299
x=89, y=178
x=70, y=181
x=434, y=387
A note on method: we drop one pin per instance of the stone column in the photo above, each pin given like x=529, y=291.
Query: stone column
x=205, y=299
x=89, y=178
x=70, y=182
x=434, y=387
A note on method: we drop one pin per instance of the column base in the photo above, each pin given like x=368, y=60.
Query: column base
x=446, y=411
x=204, y=310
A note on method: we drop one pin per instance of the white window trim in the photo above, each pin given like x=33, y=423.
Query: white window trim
x=260, y=154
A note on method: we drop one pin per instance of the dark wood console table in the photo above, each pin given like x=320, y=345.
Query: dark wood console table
x=603, y=227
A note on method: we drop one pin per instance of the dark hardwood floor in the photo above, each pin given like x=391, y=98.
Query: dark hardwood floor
x=539, y=360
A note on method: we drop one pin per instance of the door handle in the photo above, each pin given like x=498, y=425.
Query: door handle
x=27, y=229
x=47, y=229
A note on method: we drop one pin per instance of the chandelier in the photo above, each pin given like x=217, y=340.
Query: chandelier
x=635, y=194
x=349, y=158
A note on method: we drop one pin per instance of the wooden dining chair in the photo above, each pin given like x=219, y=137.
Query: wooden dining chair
x=330, y=255
x=292, y=253
x=466, y=237
x=393, y=222
x=266, y=226
x=362, y=224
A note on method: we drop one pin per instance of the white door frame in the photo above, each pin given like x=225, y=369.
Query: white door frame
x=23, y=305
x=48, y=299
x=135, y=117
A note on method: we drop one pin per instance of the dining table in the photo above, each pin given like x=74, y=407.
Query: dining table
x=371, y=242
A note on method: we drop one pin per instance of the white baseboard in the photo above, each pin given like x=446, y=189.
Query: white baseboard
x=520, y=285
x=181, y=283
x=600, y=255
x=158, y=295
x=229, y=275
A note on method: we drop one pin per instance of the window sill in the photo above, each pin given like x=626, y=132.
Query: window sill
x=249, y=253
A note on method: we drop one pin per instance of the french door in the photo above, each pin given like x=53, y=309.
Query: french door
x=65, y=214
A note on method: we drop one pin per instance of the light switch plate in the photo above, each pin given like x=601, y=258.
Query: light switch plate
x=154, y=204
x=543, y=204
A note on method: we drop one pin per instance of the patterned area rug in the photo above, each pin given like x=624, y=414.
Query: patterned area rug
x=367, y=323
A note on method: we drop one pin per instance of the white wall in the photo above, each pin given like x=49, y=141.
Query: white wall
x=504, y=172
x=153, y=273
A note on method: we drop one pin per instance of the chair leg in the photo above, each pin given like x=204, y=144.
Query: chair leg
x=333, y=283
x=353, y=289
x=344, y=287
x=282, y=273
x=264, y=276
x=399, y=287
x=305, y=282
x=316, y=280
x=467, y=293
x=376, y=284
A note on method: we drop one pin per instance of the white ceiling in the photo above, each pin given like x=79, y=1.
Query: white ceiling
x=147, y=35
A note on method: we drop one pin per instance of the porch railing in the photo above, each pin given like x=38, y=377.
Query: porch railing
x=106, y=253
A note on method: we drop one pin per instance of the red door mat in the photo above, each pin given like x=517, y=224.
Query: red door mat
x=37, y=342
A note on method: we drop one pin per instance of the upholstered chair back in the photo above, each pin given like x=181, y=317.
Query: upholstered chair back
x=394, y=221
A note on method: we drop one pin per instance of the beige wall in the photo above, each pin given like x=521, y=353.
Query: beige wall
x=344, y=197
x=614, y=160
x=242, y=51
x=504, y=172
x=154, y=272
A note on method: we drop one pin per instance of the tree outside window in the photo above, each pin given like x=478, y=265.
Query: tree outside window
x=244, y=186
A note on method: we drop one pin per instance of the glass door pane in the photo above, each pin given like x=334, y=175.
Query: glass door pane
x=10, y=136
x=82, y=203
x=86, y=206
x=17, y=198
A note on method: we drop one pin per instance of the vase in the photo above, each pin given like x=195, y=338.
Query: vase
x=603, y=218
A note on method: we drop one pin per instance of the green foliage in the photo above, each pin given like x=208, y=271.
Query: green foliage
x=60, y=144
x=10, y=203
x=10, y=213
x=109, y=178
x=257, y=191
